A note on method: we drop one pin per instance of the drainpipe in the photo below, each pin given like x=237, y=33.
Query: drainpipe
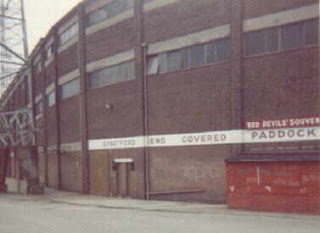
x=146, y=119
x=141, y=79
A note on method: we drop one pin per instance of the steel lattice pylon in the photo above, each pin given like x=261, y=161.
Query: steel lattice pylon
x=17, y=128
x=13, y=40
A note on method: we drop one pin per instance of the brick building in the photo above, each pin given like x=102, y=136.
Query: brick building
x=208, y=100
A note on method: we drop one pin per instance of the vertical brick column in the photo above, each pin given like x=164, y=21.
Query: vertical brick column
x=236, y=28
x=83, y=98
x=57, y=107
x=44, y=112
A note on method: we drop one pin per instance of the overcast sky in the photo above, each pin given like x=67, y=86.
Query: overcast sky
x=41, y=15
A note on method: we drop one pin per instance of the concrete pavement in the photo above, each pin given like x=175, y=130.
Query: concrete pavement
x=76, y=213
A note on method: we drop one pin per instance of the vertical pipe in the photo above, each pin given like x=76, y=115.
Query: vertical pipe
x=142, y=119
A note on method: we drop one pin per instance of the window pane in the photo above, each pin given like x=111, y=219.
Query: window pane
x=163, y=62
x=129, y=70
x=255, y=42
x=311, y=32
x=211, y=52
x=223, y=49
x=97, y=16
x=70, y=89
x=95, y=80
x=68, y=34
x=174, y=60
x=153, y=65
x=272, y=39
x=113, y=74
x=291, y=36
x=185, y=62
x=51, y=99
x=197, y=55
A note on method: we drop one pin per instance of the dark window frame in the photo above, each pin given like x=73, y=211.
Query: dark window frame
x=106, y=70
x=302, y=35
x=165, y=70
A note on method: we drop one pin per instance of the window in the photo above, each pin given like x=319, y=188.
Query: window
x=223, y=49
x=50, y=99
x=272, y=39
x=174, y=61
x=109, y=10
x=69, y=33
x=70, y=89
x=113, y=74
x=190, y=57
x=311, y=32
x=153, y=65
x=49, y=52
x=255, y=42
x=292, y=36
x=197, y=55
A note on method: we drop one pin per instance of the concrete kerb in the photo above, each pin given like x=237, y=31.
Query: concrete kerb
x=78, y=199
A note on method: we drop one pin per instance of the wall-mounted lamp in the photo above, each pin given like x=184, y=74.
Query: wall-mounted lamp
x=109, y=107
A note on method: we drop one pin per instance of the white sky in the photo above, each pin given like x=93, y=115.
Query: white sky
x=41, y=15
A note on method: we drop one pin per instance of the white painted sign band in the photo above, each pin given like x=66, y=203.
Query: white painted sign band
x=209, y=138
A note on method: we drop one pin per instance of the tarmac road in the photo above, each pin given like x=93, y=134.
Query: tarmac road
x=43, y=214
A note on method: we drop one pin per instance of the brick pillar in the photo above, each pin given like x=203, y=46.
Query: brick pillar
x=83, y=98
x=236, y=30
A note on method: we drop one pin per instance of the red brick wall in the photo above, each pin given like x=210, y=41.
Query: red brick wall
x=68, y=60
x=69, y=120
x=112, y=40
x=280, y=187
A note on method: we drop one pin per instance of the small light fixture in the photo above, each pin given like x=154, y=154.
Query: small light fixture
x=109, y=107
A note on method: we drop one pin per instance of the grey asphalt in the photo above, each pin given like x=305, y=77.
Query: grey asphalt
x=72, y=212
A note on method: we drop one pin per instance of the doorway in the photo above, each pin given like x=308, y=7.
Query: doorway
x=122, y=168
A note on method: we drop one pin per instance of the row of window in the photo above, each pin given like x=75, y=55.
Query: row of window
x=197, y=55
x=65, y=91
x=114, y=74
x=109, y=10
x=285, y=37
x=68, y=34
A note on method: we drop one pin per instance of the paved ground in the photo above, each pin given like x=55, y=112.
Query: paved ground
x=73, y=213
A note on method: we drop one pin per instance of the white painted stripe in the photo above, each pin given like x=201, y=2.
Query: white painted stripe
x=38, y=117
x=189, y=40
x=38, y=98
x=69, y=76
x=111, y=61
x=71, y=147
x=157, y=4
x=49, y=61
x=68, y=44
x=281, y=18
x=123, y=160
x=109, y=22
x=50, y=88
x=209, y=138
